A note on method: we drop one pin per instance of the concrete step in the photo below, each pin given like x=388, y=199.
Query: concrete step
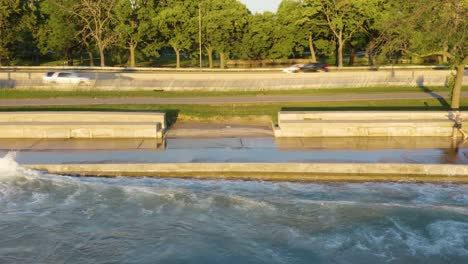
x=80, y=130
x=365, y=128
x=128, y=117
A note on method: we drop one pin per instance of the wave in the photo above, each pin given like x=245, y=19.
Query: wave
x=10, y=169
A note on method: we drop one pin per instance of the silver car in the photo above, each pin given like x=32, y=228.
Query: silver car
x=71, y=78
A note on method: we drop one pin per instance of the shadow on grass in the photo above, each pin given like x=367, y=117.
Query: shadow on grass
x=425, y=89
x=171, y=114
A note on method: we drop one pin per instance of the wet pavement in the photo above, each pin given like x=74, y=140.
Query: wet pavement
x=238, y=149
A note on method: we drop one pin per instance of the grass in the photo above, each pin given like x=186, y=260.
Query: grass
x=44, y=94
x=252, y=111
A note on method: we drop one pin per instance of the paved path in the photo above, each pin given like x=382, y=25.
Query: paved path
x=221, y=100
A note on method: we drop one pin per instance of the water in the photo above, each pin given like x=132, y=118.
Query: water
x=53, y=219
x=248, y=150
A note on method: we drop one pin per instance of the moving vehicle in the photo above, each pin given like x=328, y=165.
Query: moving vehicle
x=315, y=67
x=65, y=78
x=310, y=67
x=294, y=68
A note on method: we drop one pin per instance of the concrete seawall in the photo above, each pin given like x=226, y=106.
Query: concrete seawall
x=308, y=172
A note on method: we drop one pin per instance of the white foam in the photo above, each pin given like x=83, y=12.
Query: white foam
x=9, y=168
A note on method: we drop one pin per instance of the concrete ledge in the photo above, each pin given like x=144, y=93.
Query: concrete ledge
x=129, y=117
x=365, y=124
x=358, y=172
x=81, y=125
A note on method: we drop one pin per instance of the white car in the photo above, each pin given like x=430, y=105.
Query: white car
x=294, y=68
x=65, y=78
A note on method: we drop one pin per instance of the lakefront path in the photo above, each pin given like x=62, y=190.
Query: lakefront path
x=215, y=100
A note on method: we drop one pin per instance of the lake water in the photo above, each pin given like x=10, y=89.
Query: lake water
x=54, y=219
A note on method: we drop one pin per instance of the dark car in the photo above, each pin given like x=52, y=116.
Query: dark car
x=315, y=67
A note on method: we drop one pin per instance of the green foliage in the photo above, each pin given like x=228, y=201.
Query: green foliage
x=128, y=30
x=258, y=37
x=134, y=23
x=17, y=18
x=177, y=24
x=224, y=23
x=53, y=33
x=289, y=37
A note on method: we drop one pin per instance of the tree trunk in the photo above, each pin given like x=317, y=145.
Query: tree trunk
x=313, y=57
x=177, y=51
x=340, y=52
x=221, y=58
x=371, y=59
x=102, y=57
x=352, y=56
x=209, y=50
x=132, y=49
x=456, y=92
x=70, y=57
x=91, y=58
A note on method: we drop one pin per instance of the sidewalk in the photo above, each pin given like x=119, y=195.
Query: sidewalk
x=221, y=100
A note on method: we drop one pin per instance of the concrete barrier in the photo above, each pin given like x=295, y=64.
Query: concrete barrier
x=364, y=124
x=271, y=171
x=81, y=125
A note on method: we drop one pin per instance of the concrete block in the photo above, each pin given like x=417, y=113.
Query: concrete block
x=81, y=125
x=364, y=124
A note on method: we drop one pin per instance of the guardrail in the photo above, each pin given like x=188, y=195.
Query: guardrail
x=161, y=69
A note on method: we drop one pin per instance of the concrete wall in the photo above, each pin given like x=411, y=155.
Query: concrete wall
x=81, y=125
x=272, y=171
x=365, y=124
x=222, y=81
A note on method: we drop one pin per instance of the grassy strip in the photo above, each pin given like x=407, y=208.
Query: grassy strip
x=43, y=94
x=253, y=111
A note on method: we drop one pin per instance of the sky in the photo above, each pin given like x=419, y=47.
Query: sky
x=261, y=5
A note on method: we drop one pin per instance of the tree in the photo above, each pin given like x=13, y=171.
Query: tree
x=289, y=36
x=258, y=37
x=16, y=16
x=224, y=23
x=344, y=18
x=134, y=24
x=427, y=28
x=313, y=21
x=98, y=22
x=58, y=31
x=177, y=23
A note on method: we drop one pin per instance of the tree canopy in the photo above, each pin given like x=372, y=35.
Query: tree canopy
x=321, y=30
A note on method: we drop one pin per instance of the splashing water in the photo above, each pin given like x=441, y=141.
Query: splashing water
x=54, y=219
